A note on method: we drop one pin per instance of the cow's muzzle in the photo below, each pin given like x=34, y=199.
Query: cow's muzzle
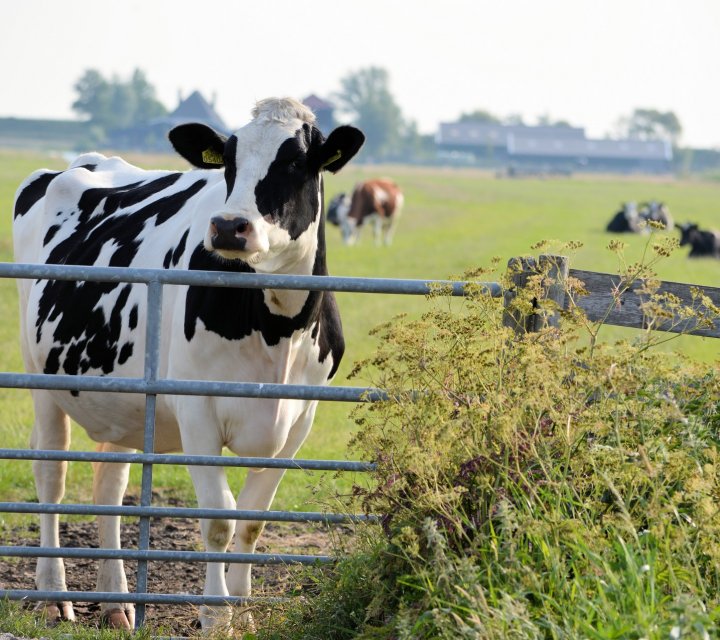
x=229, y=234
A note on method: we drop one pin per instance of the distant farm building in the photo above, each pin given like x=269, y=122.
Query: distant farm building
x=324, y=112
x=152, y=136
x=548, y=148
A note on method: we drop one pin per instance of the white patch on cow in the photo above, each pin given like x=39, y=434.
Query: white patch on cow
x=381, y=195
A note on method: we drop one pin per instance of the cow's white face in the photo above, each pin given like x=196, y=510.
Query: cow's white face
x=273, y=190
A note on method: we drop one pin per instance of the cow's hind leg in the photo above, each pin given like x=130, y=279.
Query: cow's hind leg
x=51, y=430
x=109, y=483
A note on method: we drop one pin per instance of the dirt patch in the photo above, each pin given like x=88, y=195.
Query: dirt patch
x=166, y=577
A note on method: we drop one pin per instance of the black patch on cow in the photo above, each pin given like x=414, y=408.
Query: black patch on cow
x=173, y=256
x=125, y=353
x=90, y=340
x=89, y=167
x=288, y=192
x=51, y=233
x=235, y=313
x=230, y=164
x=125, y=197
x=33, y=192
x=133, y=317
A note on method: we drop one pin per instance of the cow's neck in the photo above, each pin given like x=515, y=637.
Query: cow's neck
x=291, y=302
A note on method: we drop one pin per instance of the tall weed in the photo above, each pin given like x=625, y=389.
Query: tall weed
x=546, y=485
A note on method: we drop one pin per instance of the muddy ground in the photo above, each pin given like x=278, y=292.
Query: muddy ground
x=166, y=577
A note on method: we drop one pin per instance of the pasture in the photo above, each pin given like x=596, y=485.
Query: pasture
x=453, y=220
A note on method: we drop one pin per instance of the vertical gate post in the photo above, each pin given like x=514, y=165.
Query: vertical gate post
x=519, y=271
x=152, y=361
x=554, y=271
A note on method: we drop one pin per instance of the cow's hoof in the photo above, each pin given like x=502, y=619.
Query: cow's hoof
x=53, y=613
x=116, y=619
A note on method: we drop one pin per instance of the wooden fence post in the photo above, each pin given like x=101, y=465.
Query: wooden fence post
x=554, y=270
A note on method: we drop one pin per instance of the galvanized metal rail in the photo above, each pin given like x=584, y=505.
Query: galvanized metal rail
x=151, y=386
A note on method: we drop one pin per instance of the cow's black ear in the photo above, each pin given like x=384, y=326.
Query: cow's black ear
x=199, y=144
x=339, y=148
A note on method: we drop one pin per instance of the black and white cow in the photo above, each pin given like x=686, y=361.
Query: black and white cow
x=254, y=203
x=655, y=211
x=702, y=243
x=626, y=220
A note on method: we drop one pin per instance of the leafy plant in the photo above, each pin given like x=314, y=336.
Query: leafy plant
x=550, y=484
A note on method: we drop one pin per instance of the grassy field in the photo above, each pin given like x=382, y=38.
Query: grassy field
x=453, y=220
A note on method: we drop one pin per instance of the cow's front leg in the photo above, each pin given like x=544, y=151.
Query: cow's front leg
x=109, y=483
x=51, y=430
x=213, y=492
x=258, y=494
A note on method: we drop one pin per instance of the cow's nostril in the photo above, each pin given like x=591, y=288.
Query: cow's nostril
x=220, y=226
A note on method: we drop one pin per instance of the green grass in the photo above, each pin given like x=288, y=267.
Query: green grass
x=453, y=220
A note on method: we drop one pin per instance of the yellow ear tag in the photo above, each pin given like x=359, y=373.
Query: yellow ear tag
x=329, y=161
x=210, y=156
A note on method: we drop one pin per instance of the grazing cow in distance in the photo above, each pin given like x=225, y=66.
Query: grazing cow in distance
x=626, y=220
x=253, y=203
x=379, y=201
x=702, y=243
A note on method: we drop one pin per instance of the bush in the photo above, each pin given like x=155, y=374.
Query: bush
x=548, y=485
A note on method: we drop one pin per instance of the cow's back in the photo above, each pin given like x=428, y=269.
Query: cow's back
x=100, y=212
x=380, y=196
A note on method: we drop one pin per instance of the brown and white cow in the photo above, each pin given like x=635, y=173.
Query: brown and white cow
x=379, y=200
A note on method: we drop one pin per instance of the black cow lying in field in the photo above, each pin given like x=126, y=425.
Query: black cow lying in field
x=702, y=243
x=627, y=220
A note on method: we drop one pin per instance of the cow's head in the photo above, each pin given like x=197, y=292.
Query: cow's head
x=687, y=230
x=338, y=209
x=272, y=196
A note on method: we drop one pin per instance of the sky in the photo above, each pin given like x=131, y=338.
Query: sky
x=589, y=62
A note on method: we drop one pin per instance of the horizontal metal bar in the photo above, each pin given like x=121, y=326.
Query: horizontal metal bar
x=162, y=556
x=189, y=387
x=242, y=280
x=183, y=512
x=182, y=459
x=134, y=598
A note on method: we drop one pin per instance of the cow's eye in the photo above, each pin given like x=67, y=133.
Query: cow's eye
x=296, y=164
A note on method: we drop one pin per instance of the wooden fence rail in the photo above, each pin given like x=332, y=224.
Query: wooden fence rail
x=607, y=298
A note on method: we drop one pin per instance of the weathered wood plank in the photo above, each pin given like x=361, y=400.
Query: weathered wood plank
x=627, y=311
x=519, y=269
x=556, y=269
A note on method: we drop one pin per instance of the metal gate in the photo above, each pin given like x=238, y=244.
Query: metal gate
x=151, y=386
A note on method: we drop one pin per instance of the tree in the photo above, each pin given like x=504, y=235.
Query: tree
x=94, y=98
x=651, y=124
x=479, y=115
x=115, y=104
x=148, y=106
x=365, y=96
x=546, y=121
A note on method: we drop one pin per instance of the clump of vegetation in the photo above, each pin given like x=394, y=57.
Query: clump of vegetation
x=546, y=485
